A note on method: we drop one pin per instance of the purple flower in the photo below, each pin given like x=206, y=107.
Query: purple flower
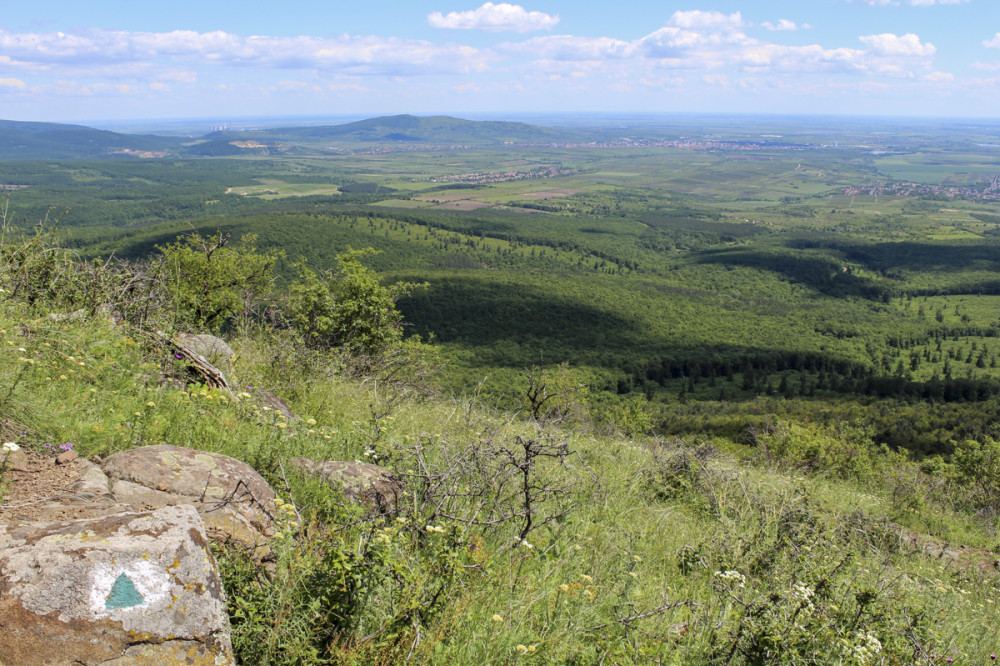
x=178, y=356
x=68, y=446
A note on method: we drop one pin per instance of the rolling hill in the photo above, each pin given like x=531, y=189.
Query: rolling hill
x=408, y=129
x=31, y=140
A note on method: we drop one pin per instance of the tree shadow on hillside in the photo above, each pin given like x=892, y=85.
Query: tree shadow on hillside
x=513, y=323
x=824, y=274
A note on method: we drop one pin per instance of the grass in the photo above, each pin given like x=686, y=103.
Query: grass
x=660, y=526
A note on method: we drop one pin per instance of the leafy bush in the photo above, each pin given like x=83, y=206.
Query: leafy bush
x=208, y=281
x=348, y=308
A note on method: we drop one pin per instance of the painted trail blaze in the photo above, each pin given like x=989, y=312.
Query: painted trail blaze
x=123, y=594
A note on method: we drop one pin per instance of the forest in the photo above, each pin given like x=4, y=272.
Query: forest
x=664, y=276
x=695, y=399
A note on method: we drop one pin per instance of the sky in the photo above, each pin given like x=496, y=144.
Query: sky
x=70, y=61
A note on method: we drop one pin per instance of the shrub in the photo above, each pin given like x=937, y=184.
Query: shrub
x=348, y=308
x=207, y=281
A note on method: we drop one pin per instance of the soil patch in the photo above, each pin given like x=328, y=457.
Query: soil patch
x=22, y=492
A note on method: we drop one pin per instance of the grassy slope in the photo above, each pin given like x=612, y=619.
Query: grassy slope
x=662, y=520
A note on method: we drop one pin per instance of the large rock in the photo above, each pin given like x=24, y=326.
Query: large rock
x=131, y=588
x=213, y=349
x=235, y=502
x=361, y=482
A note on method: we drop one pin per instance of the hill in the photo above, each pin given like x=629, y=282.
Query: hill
x=536, y=537
x=29, y=140
x=408, y=129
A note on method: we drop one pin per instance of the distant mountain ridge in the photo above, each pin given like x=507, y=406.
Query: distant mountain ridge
x=409, y=129
x=42, y=140
x=35, y=140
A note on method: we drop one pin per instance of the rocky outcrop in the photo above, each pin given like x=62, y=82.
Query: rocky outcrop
x=133, y=587
x=213, y=349
x=360, y=482
x=235, y=502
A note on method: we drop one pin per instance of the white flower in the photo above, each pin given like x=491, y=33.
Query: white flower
x=730, y=576
x=11, y=446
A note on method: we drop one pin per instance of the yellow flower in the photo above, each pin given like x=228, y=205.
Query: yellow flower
x=587, y=578
x=564, y=587
x=281, y=425
x=521, y=648
x=151, y=404
x=532, y=648
x=311, y=422
x=498, y=618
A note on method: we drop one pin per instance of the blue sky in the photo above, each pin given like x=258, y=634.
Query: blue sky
x=109, y=59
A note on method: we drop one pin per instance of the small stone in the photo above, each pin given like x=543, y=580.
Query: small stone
x=161, y=486
x=66, y=457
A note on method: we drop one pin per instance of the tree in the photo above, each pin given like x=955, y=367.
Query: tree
x=347, y=308
x=207, y=280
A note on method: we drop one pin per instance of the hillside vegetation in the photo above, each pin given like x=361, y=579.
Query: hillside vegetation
x=555, y=531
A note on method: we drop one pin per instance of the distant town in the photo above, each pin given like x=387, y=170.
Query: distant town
x=988, y=191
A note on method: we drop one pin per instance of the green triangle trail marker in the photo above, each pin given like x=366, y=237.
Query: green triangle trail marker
x=123, y=594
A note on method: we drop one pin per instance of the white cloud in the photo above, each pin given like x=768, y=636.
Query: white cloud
x=888, y=44
x=993, y=43
x=699, y=20
x=494, y=18
x=784, y=25
x=13, y=83
x=570, y=48
x=939, y=76
x=360, y=55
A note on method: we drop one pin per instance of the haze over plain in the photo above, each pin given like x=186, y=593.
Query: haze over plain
x=63, y=61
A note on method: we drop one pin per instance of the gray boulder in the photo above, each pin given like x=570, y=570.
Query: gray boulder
x=361, y=482
x=130, y=588
x=235, y=501
x=213, y=349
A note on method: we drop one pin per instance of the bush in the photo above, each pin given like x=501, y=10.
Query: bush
x=348, y=308
x=207, y=281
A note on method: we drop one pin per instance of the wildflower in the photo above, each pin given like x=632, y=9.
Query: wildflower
x=311, y=422
x=588, y=593
x=498, y=618
x=151, y=404
x=564, y=587
x=734, y=577
x=68, y=446
x=435, y=528
x=587, y=578
x=522, y=649
x=11, y=446
x=524, y=542
x=281, y=425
